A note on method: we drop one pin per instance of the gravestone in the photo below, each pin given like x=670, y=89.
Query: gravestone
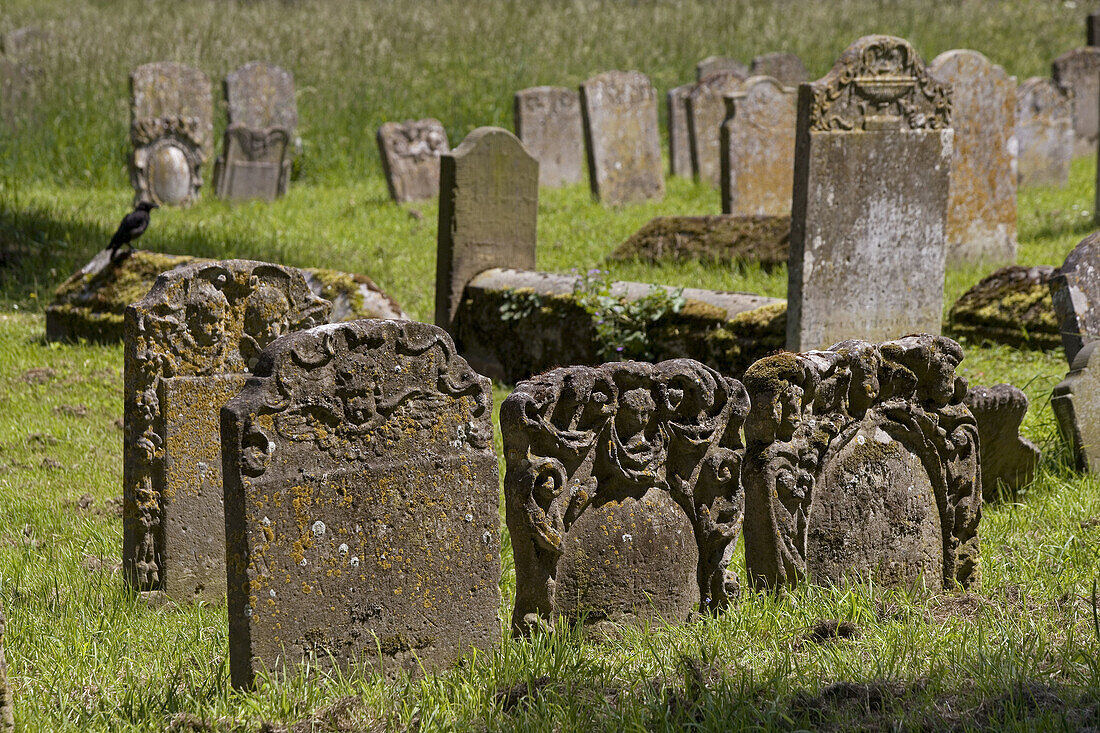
x=410, y=154
x=872, y=162
x=706, y=109
x=362, y=505
x=718, y=65
x=7, y=717
x=172, y=131
x=786, y=68
x=621, y=140
x=1077, y=72
x=763, y=239
x=1092, y=29
x=189, y=344
x=488, y=214
x=622, y=492
x=679, y=147
x=1044, y=133
x=1012, y=306
x=548, y=121
x=1077, y=409
x=981, y=206
x=1075, y=292
x=757, y=146
x=1008, y=460
x=862, y=462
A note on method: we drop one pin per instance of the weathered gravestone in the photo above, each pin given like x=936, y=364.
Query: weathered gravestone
x=1044, y=133
x=488, y=214
x=719, y=65
x=1077, y=409
x=548, y=121
x=1078, y=73
x=1008, y=460
x=1092, y=29
x=787, y=68
x=172, y=131
x=7, y=717
x=362, y=505
x=1011, y=305
x=410, y=153
x=21, y=70
x=621, y=141
x=872, y=163
x=862, y=462
x=706, y=109
x=763, y=239
x=622, y=492
x=679, y=147
x=1075, y=292
x=262, y=121
x=757, y=149
x=189, y=344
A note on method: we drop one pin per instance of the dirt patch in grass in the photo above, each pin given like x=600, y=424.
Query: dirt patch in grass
x=828, y=631
x=71, y=410
x=38, y=375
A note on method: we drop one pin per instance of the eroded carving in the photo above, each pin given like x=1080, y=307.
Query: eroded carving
x=410, y=153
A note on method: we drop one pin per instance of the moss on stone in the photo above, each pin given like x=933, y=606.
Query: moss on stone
x=772, y=374
x=1012, y=306
x=764, y=239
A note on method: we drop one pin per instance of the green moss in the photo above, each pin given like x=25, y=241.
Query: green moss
x=870, y=451
x=336, y=284
x=772, y=374
x=1013, y=306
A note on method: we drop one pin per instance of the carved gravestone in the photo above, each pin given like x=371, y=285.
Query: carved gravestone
x=362, y=504
x=621, y=141
x=1008, y=460
x=189, y=344
x=679, y=147
x=786, y=68
x=1044, y=133
x=862, y=462
x=719, y=65
x=548, y=121
x=410, y=153
x=172, y=131
x=1077, y=409
x=872, y=162
x=1078, y=73
x=7, y=717
x=1075, y=292
x=488, y=214
x=622, y=492
x=706, y=109
x=757, y=145
x=981, y=207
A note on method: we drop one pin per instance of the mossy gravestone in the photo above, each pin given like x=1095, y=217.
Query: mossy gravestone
x=1078, y=73
x=757, y=149
x=362, y=505
x=862, y=462
x=786, y=68
x=410, y=153
x=1044, y=133
x=1011, y=305
x=1008, y=460
x=1075, y=292
x=189, y=344
x=679, y=148
x=872, y=163
x=548, y=121
x=1077, y=409
x=622, y=492
x=706, y=109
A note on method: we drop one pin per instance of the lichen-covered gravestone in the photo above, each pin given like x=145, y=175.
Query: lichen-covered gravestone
x=718, y=65
x=757, y=146
x=189, y=344
x=7, y=717
x=621, y=140
x=679, y=147
x=787, y=68
x=872, y=164
x=548, y=121
x=1078, y=73
x=622, y=492
x=172, y=131
x=1075, y=291
x=362, y=505
x=981, y=207
x=410, y=153
x=1076, y=407
x=1008, y=460
x=1044, y=133
x=488, y=214
x=706, y=109
x=1011, y=305
x=862, y=462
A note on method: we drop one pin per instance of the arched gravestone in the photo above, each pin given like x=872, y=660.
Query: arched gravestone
x=872, y=164
x=189, y=344
x=1078, y=73
x=362, y=504
x=862, y=461
x=622, y=491
x=1008, y=459
x=758, y=149
x=410, y=153
x=172, y=131
x=706, y=109
x=1075, y=292
x=679, y=147
x=718, y=65
x=786, y=68
x=548, y=121
x=1044, y=133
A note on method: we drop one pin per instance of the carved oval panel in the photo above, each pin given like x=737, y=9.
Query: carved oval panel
x=170, y=175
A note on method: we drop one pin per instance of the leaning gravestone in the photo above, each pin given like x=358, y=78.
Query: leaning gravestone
x=872, y=161
x=1008, y=460
x=172, y=131
x=981, y=208
x=1078, y=73
x=548, y=121
x=706, y=109
x=862, y=462
x=720, y=65
x=189, y=344
x=7, y=717
x=621, y=139
x=362, y=505
x=410, y=153
x=787, y=68
x=622, y=491
x=1044, y=133
x=679, y=148
x=757, y=146
x=488, y=214
x=1075, y=291
x=1077, y=409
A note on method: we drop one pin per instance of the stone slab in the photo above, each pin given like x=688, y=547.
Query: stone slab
x=679, y=146
x=763, y=239
x=1010, y=306
x=548, y=122
x=757, y=149
x=706, y=110
x=1077, y=409
x=719, y=64
x=1044, y=133
x=261, y=95
x=1077, y=72
x=410, y=153
x=1075, y=292
x=785, y=67
x=1008, y=459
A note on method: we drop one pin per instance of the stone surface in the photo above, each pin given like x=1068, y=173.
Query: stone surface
x=1077, y=72
x=410, y=154
x=548, y=122
x=1075, y=292
x=7, y=705
x=679, y=146
x=362, y=504
x=719, y=64
x=1010, y=306
x=1044, y=133
x=787, y=68
x=621, y=139
x=706, y=110
x=763, y=239
x=862, y=462
x=623, y=492
x=981, y=206
x=1008, y=459
x=1077, y=409
x=872, y=164
x=188, y=346
x=488, y=214
x=261, y=96
x=1092, y=29
x=757, y=149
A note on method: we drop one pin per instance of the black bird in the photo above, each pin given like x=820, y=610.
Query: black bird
x=133, y=226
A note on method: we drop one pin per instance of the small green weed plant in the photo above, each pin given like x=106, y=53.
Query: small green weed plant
x=621, y=323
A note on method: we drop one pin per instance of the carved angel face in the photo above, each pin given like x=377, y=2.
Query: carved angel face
x=266, y=316
x=205, y=314
x=636, y=408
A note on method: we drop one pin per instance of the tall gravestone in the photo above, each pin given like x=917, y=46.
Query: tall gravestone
x=679, y=148
x=757, y=145
x=872, y=163
x=621, y=139
x=189, y=344
x=787, y=68
x=172, y=131
x=1008, y=460
x=7, y=716
x=862, y=462
x=1044, y=133
x=1078, y=73
x=706, y=109
x=622, y=492
x=410, y=154
x=981, y=207
x=362, y=506
x=1075, y=292
x=548, y=121
x=1076, y=408
x=488, y=214
x=719, y=65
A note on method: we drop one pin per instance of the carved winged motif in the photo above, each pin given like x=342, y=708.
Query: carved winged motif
x=419, y=139
x=268, y=144
x=147, y=130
